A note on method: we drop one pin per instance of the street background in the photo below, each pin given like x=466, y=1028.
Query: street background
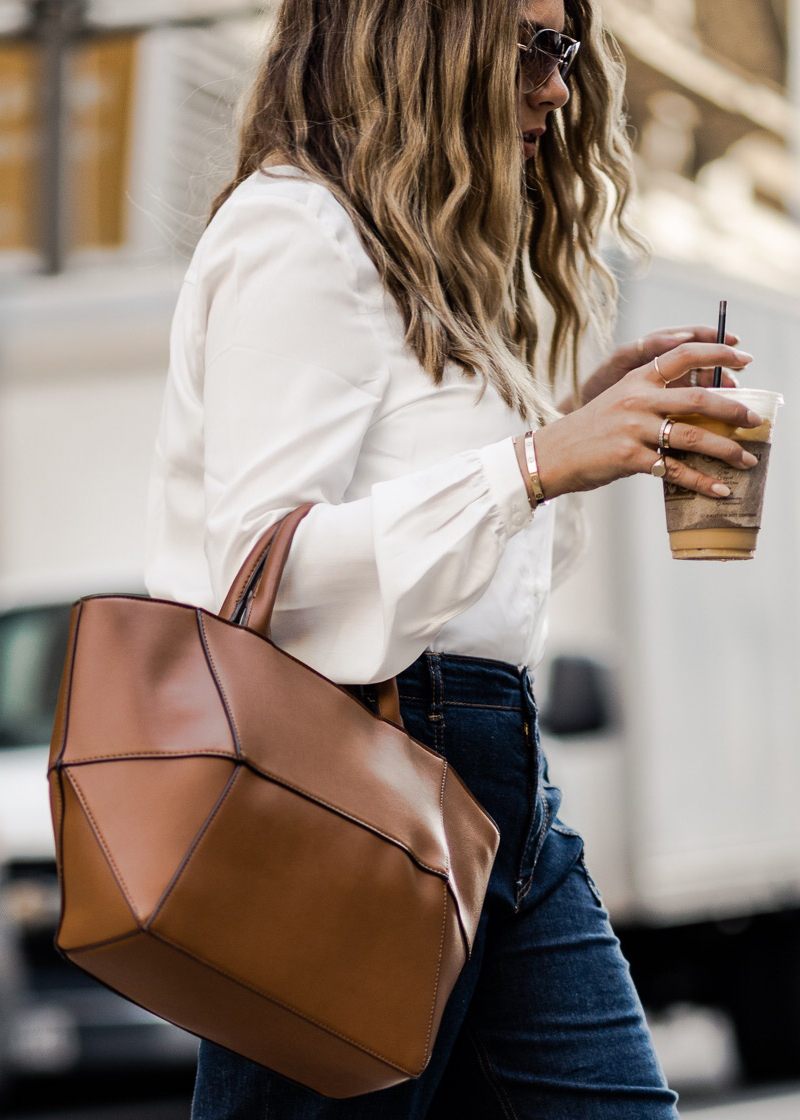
x=669, y=698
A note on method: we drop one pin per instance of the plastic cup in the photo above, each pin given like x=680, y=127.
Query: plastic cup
x=702, y=528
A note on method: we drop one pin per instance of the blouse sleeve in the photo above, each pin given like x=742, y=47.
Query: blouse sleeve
x=294, y=376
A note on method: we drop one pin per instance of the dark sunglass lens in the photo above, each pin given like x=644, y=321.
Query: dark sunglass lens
x=548, y=50
x=550, y=42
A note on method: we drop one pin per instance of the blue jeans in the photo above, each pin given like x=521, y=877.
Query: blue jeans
x=544, y=1022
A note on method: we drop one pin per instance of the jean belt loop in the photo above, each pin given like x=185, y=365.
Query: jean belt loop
x=527, y=684
x=437, y=692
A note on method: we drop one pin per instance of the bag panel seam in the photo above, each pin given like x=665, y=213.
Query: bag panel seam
x=438, y=973
x=184, y=863
x=68, y=690
x=105, y=849
x=237, y=745
x=282, y=1003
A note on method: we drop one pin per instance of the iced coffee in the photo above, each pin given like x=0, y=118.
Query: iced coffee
x=702, y=528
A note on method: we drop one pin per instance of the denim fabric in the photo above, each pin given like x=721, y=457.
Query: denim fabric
x=544, y=1022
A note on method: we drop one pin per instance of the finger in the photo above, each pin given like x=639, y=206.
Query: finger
x=659, y=342
x=688, y=437
x=694, y=355
x=690, y=479
x=687, y=402
x=700, y=333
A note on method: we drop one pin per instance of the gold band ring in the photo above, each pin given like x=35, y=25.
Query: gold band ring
x=658, y=371
x=663, y=436
x=659, y=468
x=693, y=378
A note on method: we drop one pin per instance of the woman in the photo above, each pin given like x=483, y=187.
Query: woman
x=357, y=330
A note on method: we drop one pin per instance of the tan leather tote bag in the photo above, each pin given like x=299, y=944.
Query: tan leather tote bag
x=246, y=850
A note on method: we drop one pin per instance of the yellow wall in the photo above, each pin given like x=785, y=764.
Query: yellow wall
x=99, y=99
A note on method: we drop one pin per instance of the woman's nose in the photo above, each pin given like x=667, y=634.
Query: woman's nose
x=554, y=93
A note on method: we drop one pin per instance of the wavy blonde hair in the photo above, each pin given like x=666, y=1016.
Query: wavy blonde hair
x=407, y=112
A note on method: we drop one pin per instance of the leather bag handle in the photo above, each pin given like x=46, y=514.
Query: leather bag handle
x=251, y=599
x=236, y=605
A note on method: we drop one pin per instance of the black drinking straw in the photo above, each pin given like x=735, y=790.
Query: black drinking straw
x=723, y=314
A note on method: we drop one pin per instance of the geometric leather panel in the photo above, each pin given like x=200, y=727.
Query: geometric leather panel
x=300, y=863
x=159, y=706
x=148, y=812
x=96, y=881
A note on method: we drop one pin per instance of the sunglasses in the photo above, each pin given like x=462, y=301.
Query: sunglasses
x=547, y=52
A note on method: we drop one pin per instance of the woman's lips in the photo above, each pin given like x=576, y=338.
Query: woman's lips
x=530, y=139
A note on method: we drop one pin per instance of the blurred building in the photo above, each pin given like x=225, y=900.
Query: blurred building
x=713, y=98
x=150, y=90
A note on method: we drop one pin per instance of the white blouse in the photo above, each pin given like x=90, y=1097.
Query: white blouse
x=290, y=382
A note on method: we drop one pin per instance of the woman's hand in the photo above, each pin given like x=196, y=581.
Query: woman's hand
x=616, y=434
x=635, y=354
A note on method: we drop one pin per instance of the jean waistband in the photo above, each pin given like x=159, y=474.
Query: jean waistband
x=439, y=679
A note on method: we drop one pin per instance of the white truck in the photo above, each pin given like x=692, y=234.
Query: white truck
x=671, y=702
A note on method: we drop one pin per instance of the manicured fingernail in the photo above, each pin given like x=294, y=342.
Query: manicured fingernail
x=721, y=489
x=735, y=380
x=684, y=334
x=736, y=339
x=742, y=356
x=753, y=419
x=748, y=459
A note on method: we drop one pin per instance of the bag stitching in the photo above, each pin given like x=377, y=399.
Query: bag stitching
x=284, y=784
x=189, y=854
x=96, y=828
x=198, y=752
x=58, y=767
x=445, y=772
x=282, y=1003
x=438, y=970
x=441, y=816
x=364, y=823
x=91, y=946
x=237, y=743
x=68, y=688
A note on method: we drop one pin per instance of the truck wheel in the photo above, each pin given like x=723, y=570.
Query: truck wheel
x=764, y=994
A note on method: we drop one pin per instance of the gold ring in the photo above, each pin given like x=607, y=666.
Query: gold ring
x=693, y=378
x=663, y=435
x=658, y=371
x=659, y=468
